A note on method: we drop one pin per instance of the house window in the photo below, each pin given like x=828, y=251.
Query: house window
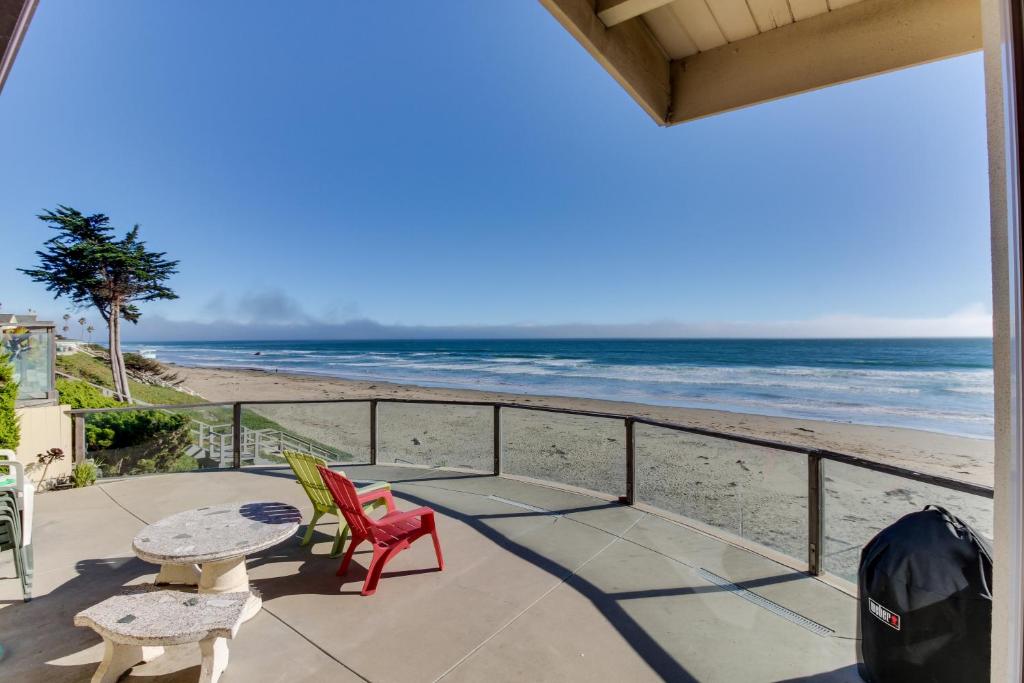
x=29, y=350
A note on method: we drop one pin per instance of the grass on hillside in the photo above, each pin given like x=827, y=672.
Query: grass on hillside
x=96, y=371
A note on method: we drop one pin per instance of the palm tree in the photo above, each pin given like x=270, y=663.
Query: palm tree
x=90, y=330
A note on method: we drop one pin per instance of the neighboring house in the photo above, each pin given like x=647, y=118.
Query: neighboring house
x=45, y=424
x=68, y=347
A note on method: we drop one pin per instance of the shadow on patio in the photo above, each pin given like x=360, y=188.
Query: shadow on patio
x=540, y=584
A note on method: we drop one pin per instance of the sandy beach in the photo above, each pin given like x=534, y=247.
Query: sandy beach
x=958, y=457
x=759, y=494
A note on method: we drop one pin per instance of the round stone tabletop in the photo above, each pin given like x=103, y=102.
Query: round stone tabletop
x=216, y=533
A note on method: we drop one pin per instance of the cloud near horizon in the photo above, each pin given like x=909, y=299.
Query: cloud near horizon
x=275, y=317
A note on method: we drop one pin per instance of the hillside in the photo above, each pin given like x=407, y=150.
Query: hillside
x=95, y=370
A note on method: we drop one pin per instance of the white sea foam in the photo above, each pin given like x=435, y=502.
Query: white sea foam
x=953, y=399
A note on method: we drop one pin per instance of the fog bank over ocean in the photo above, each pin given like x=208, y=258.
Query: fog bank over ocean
x=275, y=314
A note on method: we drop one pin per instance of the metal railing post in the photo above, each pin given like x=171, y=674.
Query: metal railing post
x=236, y=436
x=497, y=440
x=630, y=496
x=815, y=513
x=373, y=432
x=78, y=438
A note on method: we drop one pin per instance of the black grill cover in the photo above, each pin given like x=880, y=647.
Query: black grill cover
x=925, y=601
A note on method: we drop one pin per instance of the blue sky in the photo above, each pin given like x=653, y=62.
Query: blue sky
x=460, y=165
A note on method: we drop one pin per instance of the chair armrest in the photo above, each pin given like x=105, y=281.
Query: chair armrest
x=375, y=495
x=360, y=490
x=402, y=516
x=19, y=472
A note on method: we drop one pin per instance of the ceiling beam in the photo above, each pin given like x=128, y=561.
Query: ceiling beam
x=15, y=16
x=864, y=39
x=613, y=12
x=627, y=51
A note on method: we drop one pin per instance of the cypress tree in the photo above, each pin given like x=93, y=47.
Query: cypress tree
x=10, y=434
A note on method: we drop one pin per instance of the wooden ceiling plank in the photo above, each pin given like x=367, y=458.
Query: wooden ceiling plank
x=805, y=9
x=670, y=33
x=698, y=21
x=614, y=12
x=770, y=14
x=734, y=19
x=863, y=39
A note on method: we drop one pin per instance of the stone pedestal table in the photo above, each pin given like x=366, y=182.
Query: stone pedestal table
x=207, y=546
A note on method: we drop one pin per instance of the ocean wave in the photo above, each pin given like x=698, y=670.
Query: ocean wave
x=909, y=382
x=978, y=391
x=924, y=393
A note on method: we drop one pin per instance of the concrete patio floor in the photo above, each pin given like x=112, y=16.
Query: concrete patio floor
x=540, y=584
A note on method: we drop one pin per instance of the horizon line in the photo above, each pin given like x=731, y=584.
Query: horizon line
x=544, y=338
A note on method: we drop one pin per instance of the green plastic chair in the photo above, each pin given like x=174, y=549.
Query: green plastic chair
x=307, y=475
x=13, y=519
x=11, y=539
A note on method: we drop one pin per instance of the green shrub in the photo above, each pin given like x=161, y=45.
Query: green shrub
x=84, y=474
x=79, y=394
x=135, y=362
x=10, y=433
x=182, y=463
x=125, y=428
x=139, y=441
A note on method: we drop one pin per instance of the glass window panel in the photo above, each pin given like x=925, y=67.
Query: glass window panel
x=336, y=432
x=756, y=493
x=859, y=503
x=148, y=441
x=29, y=352
x=436, y=435
x=586, y=452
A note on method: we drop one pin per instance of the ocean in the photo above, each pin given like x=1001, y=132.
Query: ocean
x=942, y=385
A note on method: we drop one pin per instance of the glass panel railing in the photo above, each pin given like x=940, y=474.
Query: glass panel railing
x=859, y=503
x=585, y=452
x=754, y=492
x=435, y=435
x=29, y=351
x=336, y=432
x=149, y=441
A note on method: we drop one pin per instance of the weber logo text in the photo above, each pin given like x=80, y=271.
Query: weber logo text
x=890, y=618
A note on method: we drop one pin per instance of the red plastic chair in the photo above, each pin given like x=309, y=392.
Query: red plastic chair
x=390, y=535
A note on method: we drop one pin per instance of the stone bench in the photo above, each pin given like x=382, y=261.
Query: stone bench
x=136, y=626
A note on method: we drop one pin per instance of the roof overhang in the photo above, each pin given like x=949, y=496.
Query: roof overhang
x=686, y=59
x=15, y=16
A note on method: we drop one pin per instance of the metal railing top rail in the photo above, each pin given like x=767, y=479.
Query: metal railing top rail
x=844, y=458
x=163, y=406
x=824, y=454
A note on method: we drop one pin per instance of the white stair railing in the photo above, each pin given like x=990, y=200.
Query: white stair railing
x=216, y=442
